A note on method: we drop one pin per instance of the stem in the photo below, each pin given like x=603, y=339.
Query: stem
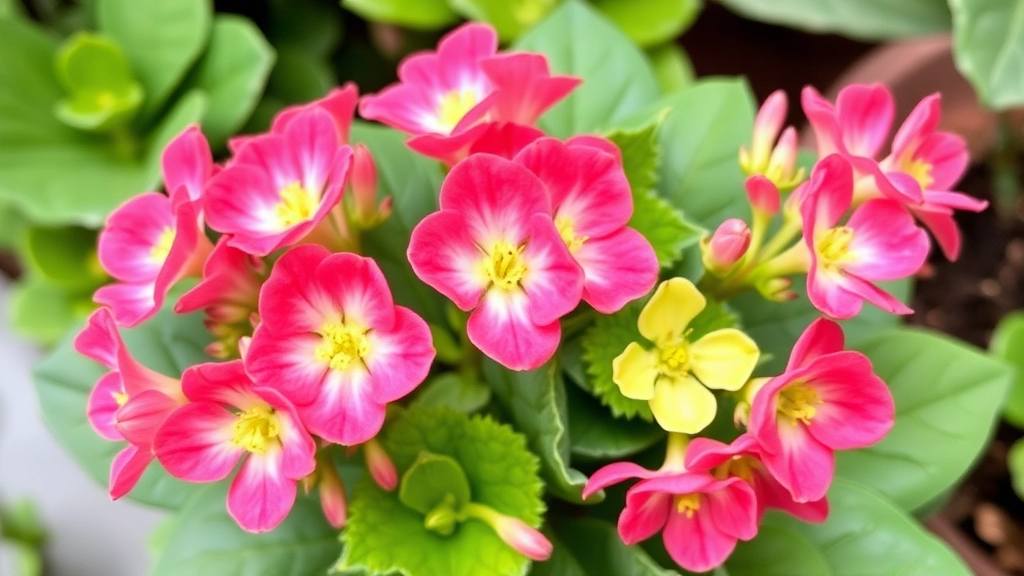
x=675, y=452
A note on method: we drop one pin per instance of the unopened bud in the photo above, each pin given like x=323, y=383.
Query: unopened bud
x=332, y=496
x=782, y=168
x=526, y=540
x=777, y=289
x=381, y=468
x=767, y=125
x=726, y=246
x=363, y=208
x=763, y=194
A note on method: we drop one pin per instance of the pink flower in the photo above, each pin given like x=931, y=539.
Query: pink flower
x=228, y=419
x=280, y=186
x=446, y=99
x=592, y=203
x=701, y=518
x=332, y=341
x=128, y=403
x=493, y=249
x=879, y=242
x=742, y=459
x=827, y=399
x=339, y=103
x=187, y=165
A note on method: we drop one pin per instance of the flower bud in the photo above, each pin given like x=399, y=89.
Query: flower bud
x=782, y=168
x=527, y=541
x=763, y=194
x=332, y=495
x=767, y=125
x=777, y=289
x=363, y=209
x=726, y=246
x=381, y=468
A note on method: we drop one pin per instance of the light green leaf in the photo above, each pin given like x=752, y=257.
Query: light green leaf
x=161, y=38
x=64, y=256
x=617, y=79
x=42, y=312
x=606, y=339
x=672, y=67
x=535, y=402
x=1015, y=462
x=641, y=155
x=596, y=435
x=650, y=22
x=167, y=343
x=1008, y=344
x=988, y=46
x=383, y=536
x=948, y=398
x=863, y=19
x=420, y=14
x=432, y=479
x=232, y=73
x=865, y=535
x=11, y=9
x=592, y=547
x=204, y=540
x=103, y=95
x=509, y=17
x=663, y=226
x=453, y=390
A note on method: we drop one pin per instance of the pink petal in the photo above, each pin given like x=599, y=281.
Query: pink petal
x=131, y=233
x=947, y=154
x=763, y=423
x=955, y=200
x=340, y=103
x=188, y=251
x=451, y=148
x=598, y=142
x=704, y=454
x=187, y=165
x=131, y=304
x=501, y=327
x=824, y=121
x=922, y=121
x=865, y=115
x=613, y=474
x=822, y=337
x=459, y=52
x=140, y=417
x=102, y=406
x=771, y=494
x=732, y=507
x=286, y=363
x=876, y=296
x=290, y=300
x=505, y=139
x=195, y=443
x=344, y=412
x=829, y=194
x=695, y=543
x=886, y=243
x=939, y=221
x=856, y=408
x=617, y=268
x=830, y=293
x=762, y=194
x=221, y=383
x=444, y=255
x=298, y=447
x=260, y=496
x=357, y=290
x=554, y=281
x=803, y=465
x=643, y=516
x=524, y=86
x=400, y=357
x=99, y=340
x=230, y=278
x=127, y=468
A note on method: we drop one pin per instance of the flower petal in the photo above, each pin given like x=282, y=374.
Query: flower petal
x=886, y=243
x=613, y=474
x=195, y=443
x=644, y=515
x=132, y=232
x=501, y=328
x=635, y=371
x=803, y=465
x=131, y=304
x=724, y=359
x=732, y=506
x=444, y=255
x=865, y=114
x=187, y=165
x=856, y=408
x=683, y=405
x=298, y=448
x=127, y=468
x=400, y=357
x=141, y=416
x=822, y=337
x=344, y=412
x=103, y=406
x=553, y=281
x=99, y=340
x=220, y=383
x=674, y=305
x=260, y=497
x=617, y=268
x=696, y=543
x=289, y=302
x=287, y=364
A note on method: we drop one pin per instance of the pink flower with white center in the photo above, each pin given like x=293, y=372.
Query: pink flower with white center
x=332, y=341
x=592, y=203
x=280, y=186
x=187, y=165
x=828, y=399
x=128, y=403
x=879, y=242
x=446, y=99
x=701, y=517
x=742, y=459
x=340, y=103
x=493, y=249
x=228, y=419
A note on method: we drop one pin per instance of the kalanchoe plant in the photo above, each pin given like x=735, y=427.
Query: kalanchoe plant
x=391, y=329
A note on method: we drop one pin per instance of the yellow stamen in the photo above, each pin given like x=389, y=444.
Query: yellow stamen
x=833, y=246
x=297, y=205
x=742, y=467
x=675, y=359
x=454, y=105
x=797, y=403
x=120, y=398
x=568, y=233
x=162, y=248
x=919, y=169
x=256, y=428
x=688, y=504
x=342, y=345
x=505, y=267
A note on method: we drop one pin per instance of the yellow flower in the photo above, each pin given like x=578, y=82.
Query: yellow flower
x=675, y=376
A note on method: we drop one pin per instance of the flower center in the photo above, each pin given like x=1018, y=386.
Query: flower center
x=504, y=266
x=919, y=169
x=454, y=105
x=297, y=205
x=833, y=246
x=675, y=358
x=568, y=233
x=797, y=403
x=688, y=504
x=120, y=398
x=342, y=345
x=742, y=467
x=255, y=428
x=162, y=248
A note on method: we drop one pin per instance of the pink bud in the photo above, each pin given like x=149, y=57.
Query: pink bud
x=527, y=541
x=727, y=245
x=382, y=469
x=782, y=168
x=332, y=496
x=363, y=180
x=767, y=125
x=763, y=194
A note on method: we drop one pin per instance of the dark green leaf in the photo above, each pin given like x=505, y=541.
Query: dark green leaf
x=641, y=155
x=663, y=226
x=597, y=435
x=606, y=339
x=421, y=14
x=65, y=256
x=863, y=19
x=1008, y=344
x=431, y=480
x=1015, y=462
x=650, y=22
x=592, y=547
x=454, y=391
x=298, y=77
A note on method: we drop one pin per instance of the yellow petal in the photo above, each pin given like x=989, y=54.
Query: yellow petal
x=683, y=405
x=674, y=304
x=634, y=372
x=724, y=359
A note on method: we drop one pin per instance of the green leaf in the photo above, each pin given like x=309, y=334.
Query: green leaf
x=314, y=28
x=419, y=14
x=161, y=38
x=701, y=134
x=21, y=522
x=298, y=77
x=592, y=547
x=167, y=343
x=454, y=391
x=641, y=155
x=383, y=536
x=413, y=182
x=42, y=312
x=1008, y=344
x=650, y=22
x=232, y=73
x=65, y=256
x=204, y=540
x=509, y=17
x=617, y=80
x=948, y=398
x=11, y=9
x=103, y=95
x=672, y=67
x=431, y=480
x=988, y=47
x=606, y=339
x=596, y=435
x=663, y=226
x=863, y=19
x=865, y=535
x=535, y=402
x=1015, y=462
